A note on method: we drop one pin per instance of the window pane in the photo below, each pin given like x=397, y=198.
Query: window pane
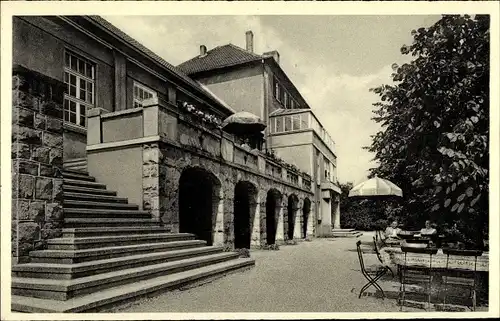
x=72, y=91
x=72, y=118
x=83, y=109
x=288, y=123
x=279, y=124
x=296, y=122
x=66, y=77
x=66, y=59
x=72, y=106
x=66, y=115
x=89, y=97
x=83, y=94
x=89, y=86
x=83, y=84
x=82, y=121
x=72, y=80
x=136, y=91
x=73, y=63
x=81, y=67
x=88, y=70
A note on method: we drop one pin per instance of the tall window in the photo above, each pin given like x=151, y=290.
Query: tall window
x=142, y=93
x=79, y=77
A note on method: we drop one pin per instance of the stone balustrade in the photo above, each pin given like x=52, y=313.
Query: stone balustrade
x=162, y=121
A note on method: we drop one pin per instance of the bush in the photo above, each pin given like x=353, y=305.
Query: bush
x=271, y=247
x=243, y=252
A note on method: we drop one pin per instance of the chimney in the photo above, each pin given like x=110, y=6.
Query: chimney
x=275, y=54
x=249, y=38
x=203, y=51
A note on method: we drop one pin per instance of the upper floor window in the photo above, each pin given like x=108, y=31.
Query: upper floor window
x=142, y=93
x=79, y=77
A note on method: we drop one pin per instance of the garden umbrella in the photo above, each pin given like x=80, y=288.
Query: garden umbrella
x=242, y=123
x=376, y=186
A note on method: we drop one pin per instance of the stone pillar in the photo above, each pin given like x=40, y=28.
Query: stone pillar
x=262, y=221
x=228, y=213
x=326, y=219
x=152, y=196
x=256, y=233
x=280, y=227
x=297, y=228
x=311, y=221
x=37, y=161
x=219, y=220
x=336, y=211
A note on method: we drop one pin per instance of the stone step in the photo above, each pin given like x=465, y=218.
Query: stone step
x=96, y=204
x=84, y=269
x=79, y=168
x=102, y=213
x=93, y=197
x=99, y=231
x=75, y=160
x=78, y=256
x=115, y=240
x=66, y=289
x=73, y=171
x=76, y=182
x=88, y=190
x=107, y=222
x=77, y=176
x=347, y=234
x=116, y=294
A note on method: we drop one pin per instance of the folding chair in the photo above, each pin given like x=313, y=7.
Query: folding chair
x=375, y=247
x=461, y=279
x=416, y=275
x=380, y=238
x=371, y=276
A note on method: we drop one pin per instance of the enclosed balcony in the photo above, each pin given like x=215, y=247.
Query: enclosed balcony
x=296, y=120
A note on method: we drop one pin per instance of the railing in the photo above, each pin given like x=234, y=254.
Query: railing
x=160, y=120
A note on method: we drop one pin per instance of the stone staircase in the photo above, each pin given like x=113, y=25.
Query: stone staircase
x=343, y=232
x=110, y=251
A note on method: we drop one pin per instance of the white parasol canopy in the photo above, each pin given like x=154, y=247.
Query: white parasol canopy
x=376, y=187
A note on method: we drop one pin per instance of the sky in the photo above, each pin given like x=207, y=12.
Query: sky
x=332, y=60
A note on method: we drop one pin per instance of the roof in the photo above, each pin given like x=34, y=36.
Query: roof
x=283, y=111
x=134, y=43
x=219, y=57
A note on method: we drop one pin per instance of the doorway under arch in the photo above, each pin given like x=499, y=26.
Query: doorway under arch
x=293, y=203
x=306, y=210
x=198, y=202
x=245, y=204
x=273, y=204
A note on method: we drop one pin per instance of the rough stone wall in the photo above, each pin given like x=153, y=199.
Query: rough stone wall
x=37, y=159
x=162, y=197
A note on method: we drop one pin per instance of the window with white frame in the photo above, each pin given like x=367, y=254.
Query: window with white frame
x=142, y=93
x=79, y=77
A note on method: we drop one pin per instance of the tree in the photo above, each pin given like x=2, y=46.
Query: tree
x=434, y=141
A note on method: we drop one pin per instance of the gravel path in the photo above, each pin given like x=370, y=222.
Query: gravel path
x=318, y=276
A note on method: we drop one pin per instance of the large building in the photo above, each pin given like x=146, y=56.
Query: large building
x=124, y=181
x=256, y=83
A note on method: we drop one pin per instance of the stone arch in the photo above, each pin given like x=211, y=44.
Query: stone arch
x=292, y=207
x=306, y=210
x=273, y=206
x=199, y=198
x=244, y=209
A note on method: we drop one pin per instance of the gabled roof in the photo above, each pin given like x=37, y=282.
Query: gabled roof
x=140, y=47
x=219, y=57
